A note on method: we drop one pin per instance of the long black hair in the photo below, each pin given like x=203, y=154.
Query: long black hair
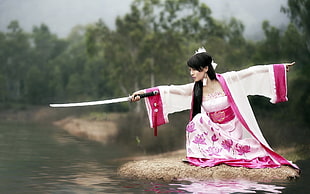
x=198, y=62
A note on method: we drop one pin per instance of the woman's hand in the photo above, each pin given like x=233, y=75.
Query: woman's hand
x=135, y=96
x=288, y=65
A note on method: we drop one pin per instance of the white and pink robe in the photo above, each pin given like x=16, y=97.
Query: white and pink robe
x=226, y=131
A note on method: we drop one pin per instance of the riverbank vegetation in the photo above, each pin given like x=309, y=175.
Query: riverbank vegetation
x=149, y=46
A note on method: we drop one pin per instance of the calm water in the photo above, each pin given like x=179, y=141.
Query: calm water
x=35, y=158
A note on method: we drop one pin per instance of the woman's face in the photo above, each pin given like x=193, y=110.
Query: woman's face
x=197, y=75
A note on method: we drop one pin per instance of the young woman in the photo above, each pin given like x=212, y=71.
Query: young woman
x=222, y=127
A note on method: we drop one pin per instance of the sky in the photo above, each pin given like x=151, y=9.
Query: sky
x=62, y=15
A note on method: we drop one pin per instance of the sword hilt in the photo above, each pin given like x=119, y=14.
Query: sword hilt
x=148, y=94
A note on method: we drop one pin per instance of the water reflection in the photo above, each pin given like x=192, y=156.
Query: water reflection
x=140, y=186
x=82, y=176
x=228, y=186
x=42, y=159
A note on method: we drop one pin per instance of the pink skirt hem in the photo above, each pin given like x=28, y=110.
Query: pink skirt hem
x=259, y=162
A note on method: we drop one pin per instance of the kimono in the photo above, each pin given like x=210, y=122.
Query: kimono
x=226, y=131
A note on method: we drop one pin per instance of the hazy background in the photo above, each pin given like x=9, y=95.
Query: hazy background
x=62, y=15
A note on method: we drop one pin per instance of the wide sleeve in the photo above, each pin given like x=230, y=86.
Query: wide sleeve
x=174, y=98
x=265, y=80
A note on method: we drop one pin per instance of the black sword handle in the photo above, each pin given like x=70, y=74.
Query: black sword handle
x=153, y=93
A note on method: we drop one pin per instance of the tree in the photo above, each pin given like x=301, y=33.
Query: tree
x=299, y=12
x=36, y=86
x=16, y=49
x=297, y=41
x=47, y=45
x=150, y=41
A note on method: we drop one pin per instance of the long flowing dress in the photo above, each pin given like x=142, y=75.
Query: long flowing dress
x=216, y=136
x=226, y=131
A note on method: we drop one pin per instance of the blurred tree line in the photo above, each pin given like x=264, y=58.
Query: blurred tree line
x=149, y=46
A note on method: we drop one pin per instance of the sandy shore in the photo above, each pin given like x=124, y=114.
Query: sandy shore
x=100, y=131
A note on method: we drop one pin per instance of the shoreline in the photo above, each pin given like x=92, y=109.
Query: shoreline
x=99, y=131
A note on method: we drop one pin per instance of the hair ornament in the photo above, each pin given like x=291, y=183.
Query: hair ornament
x=214, y=65
x=200, y=50
x=203, y=50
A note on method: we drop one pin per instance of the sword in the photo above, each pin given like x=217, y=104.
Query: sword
x=101, y=102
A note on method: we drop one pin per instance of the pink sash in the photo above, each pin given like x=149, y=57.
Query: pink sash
x=222, y=116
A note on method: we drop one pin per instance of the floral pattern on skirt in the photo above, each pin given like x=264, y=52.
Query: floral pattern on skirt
x=209, y=143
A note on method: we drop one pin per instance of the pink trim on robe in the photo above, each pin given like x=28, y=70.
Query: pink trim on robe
x=259, y=162
x=276, y=156
x=280, y=82
x=155, y=110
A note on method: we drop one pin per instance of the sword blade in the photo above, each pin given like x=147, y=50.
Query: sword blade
x=92, y=103
x=111, y=101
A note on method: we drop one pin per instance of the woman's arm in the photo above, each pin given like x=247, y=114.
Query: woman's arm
x=170, y=99
x=183, y=90
x=265, y=80
x=258, y=69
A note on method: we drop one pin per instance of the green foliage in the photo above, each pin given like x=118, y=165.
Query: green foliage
x=298, y=11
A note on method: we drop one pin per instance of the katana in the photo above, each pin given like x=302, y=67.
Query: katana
x=101, y=102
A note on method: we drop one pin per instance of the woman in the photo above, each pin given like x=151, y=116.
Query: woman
x=222, y=127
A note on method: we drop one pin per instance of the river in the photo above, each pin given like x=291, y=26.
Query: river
x=41, y=158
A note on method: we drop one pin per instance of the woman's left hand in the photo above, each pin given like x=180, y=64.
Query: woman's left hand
x=288, y=65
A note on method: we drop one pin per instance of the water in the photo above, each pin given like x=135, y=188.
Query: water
x=38, y=158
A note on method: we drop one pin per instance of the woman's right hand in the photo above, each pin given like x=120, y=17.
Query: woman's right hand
x=135, y=96
x=288, y=65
